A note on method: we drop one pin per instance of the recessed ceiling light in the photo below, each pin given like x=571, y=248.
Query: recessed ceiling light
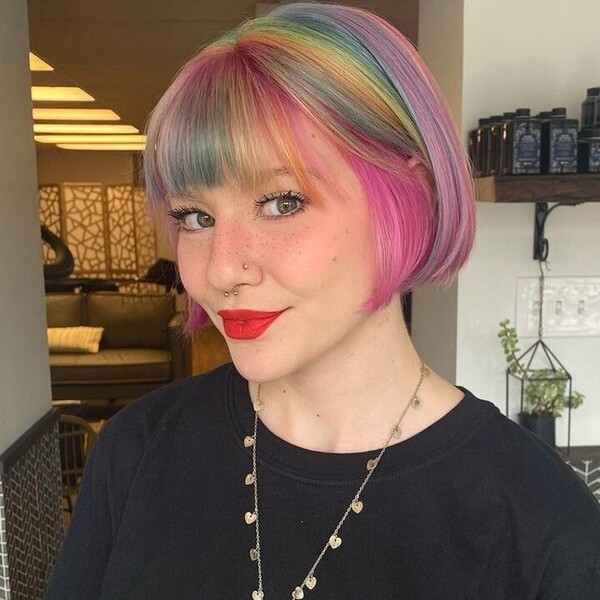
x=41, y=93
x=83, y=128
x=75, y=114
x=90, y=139
x=37, y=64
x=101, y=147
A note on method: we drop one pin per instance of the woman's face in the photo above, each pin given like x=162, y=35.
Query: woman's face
x=310, y=265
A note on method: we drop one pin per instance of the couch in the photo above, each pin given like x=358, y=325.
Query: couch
x=141, y=347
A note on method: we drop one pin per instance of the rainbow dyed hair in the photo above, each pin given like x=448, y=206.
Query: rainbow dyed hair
x=366, y=89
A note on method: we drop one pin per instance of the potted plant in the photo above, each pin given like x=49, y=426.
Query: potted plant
x=545, y=390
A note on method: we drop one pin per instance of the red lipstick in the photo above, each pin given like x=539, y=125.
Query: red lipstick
x=247, y=324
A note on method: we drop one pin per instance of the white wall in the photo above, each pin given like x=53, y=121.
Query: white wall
x=24, y=371
x=538, y=54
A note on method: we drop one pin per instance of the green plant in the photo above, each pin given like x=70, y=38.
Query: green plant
x=545, y=392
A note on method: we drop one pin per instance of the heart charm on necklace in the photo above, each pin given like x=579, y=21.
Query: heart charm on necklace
x=258, y=405
x=335, y=541
x=310, y=582
x=298, y=594
x=397, y=432
x=416, y=402
x=256, y=595
x=372, y=464
x=248, y=441
x=250, y=518
x=250, y=479
x=357, y=506
x=253, y=554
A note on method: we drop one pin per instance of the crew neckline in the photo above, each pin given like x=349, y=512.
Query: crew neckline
x=429, y=445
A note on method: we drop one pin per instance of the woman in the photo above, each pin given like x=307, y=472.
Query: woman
x=311, y=175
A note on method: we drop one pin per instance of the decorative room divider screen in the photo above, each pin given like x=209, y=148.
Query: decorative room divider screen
x=106, y=227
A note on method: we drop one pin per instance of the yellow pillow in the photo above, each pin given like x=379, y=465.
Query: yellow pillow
x=85, y=340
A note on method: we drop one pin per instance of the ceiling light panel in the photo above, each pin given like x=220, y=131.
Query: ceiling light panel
x=40, y=93
x=83, y=128
x=90, y=139
x=75, y=114
x=37, y=64
x=101, y=147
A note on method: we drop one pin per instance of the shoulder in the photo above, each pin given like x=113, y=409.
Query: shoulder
x=532, y=484
x=183, y=405
x=518, y=460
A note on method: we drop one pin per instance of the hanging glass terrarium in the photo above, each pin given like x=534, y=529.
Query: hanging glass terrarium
x=540, y=381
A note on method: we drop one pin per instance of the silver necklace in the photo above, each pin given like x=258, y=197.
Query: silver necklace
x=355, y=507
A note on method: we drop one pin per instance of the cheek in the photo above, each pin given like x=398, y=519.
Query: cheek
x=191, y=261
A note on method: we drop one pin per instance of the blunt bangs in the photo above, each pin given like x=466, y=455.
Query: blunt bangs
x=215, y=125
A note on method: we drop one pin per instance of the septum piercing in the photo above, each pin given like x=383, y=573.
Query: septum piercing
x=234, y=289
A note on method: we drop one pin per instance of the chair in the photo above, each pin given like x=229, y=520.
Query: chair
x=77, y=438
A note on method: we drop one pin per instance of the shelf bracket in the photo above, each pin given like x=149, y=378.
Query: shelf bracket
x=540, y=243
x=541, y=246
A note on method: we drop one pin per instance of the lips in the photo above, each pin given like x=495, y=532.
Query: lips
x=247, y=324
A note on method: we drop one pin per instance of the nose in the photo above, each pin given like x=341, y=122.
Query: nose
x=233, y=261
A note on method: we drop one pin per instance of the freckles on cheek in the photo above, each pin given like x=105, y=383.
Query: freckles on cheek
x=191, y=261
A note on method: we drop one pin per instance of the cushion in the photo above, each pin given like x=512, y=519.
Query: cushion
x=128, y=365
x=131, y=320
x=65, y=310
x=74, y=340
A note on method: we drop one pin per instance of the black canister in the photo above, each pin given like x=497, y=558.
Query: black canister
x=589, y=112
x=478, y=147
x=559, y=143
x=524, y=137
x=507, y=119
x=494, y=156
x=589, y=152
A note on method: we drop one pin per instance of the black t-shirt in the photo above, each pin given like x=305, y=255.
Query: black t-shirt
x=472, y=508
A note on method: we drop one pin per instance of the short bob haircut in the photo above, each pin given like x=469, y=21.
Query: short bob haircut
x=366, y=89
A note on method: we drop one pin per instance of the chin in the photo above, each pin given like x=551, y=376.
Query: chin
x=258, y=367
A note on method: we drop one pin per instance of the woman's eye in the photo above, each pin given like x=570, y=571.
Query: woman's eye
x=192, y=220
x=280, y=205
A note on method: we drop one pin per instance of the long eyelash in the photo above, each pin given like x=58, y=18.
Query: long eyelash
x=183, y=211
x=301, y=198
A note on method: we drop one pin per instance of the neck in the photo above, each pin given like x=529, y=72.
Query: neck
x=351, y=399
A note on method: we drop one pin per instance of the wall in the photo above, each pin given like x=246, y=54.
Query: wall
x=62, y=166
x=434, y=309
x=537, y=54
x=24, y=371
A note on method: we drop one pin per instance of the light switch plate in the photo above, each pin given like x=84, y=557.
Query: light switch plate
x=571, y=306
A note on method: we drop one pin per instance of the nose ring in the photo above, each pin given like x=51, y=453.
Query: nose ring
x=234, y=290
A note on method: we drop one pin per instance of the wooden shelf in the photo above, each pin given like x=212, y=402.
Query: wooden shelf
x=539, y=188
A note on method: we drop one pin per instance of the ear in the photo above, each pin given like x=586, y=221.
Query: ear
x=412, y=162
x=421, y=170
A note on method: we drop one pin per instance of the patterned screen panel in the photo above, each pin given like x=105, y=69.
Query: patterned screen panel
x=106, y=227
x=145, y=232
x=31, y=526
x=121, y=231
x=83, y=206
x=50, y=214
